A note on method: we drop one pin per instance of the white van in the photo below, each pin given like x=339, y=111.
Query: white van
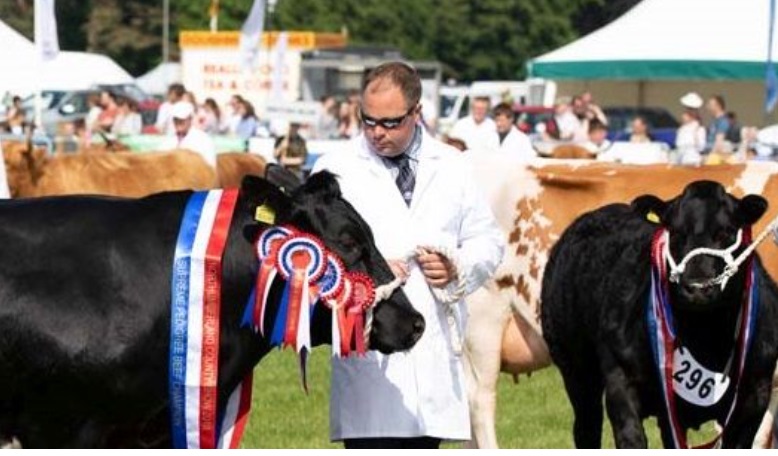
x=455, y=100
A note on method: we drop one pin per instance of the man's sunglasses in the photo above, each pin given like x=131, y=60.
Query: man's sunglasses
x=387, y=123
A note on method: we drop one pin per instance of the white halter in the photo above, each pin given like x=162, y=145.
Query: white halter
x=725, y=254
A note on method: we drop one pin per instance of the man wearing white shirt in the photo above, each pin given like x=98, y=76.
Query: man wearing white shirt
x=512, y=142
x=477, y=130
x=188, y=136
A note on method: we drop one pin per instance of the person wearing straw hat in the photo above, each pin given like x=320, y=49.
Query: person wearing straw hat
x=690, y=140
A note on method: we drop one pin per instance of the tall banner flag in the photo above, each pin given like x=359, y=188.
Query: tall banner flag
x=213, y=12
x=250, y=35
x=46, y=29
x=279, y=68
x=771, y=80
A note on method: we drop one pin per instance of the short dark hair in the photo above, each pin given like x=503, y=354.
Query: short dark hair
x=399, y=74
x=177, y=88
x=503, y=109
x=720, y=101
x=596, y=124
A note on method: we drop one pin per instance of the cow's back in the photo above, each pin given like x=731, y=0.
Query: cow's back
x=123, y=174
x=234, y=166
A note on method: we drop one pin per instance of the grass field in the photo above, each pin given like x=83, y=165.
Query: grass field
x=534, y=413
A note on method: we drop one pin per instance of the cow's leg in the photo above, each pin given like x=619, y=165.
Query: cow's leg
x=584, y=386
x=748, y=415
x=488, y=317
x=623, y=405
x=763, y=437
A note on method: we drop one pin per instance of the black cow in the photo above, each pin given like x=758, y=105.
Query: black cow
x=85, y=307
x=594, y=314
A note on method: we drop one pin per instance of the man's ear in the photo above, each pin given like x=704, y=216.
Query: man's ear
x=650, y=207
x=263, y=200
x=750, y=209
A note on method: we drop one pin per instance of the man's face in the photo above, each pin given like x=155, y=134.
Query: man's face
x=182, y=126
x=503, y=123
x=383, y=100
x=479, y=110
x=713, y=106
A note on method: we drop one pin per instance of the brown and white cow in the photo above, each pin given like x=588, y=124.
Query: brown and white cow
x=533, y=205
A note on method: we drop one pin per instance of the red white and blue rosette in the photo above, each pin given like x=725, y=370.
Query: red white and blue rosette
x=331, y=282
x=302, y=251
x=269, y=237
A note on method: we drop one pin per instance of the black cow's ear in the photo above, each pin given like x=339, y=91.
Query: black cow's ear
x=750, y=209
x=650, y=207
x=263, y=199
x=322, y=185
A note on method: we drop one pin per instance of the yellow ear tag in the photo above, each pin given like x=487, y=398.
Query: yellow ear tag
x=652, y=217
x=265, y=214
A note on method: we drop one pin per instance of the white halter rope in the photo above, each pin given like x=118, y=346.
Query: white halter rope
x=733, y=264
x=448, y=296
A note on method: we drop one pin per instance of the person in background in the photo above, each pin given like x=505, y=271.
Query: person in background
x=90, y=123
x=348, y=120
x=413, y=191
x=719, y=126
x=564, y=124
x=16, y=117
x=164, y=123
x=512, y=142
x=477, y=129
x=186, y=134
x=690, y=139
x=128, y=120
x=248, y=123
x=108, y=113
x=640, y=133
x=327, y=118
x=291, y=150
x=598, y=137
x=212, y=118
x=233, y=115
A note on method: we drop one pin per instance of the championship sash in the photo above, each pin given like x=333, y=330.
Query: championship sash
x=194, y=334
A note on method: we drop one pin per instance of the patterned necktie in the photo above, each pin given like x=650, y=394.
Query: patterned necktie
x=406, y=180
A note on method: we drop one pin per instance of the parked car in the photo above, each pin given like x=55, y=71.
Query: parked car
x=662, y=125
x=59, y=106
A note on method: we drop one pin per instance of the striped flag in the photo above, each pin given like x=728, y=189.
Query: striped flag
x=771, y=80
x=46, y=29
x=251, y=34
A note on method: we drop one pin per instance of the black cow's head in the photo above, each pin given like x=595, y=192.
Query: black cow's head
x=317, y=207
x=704, y=215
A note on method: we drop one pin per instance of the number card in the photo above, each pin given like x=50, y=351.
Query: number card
x=694, y=383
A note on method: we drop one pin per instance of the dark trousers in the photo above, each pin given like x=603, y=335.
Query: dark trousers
x=393, y=443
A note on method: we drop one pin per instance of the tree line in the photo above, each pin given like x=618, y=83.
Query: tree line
x=473, y=39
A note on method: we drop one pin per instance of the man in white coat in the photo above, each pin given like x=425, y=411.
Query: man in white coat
x=477, y=130
x=413, y=191
x=189, y=136
x=513, y=142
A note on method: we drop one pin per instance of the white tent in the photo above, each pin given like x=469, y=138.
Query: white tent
x=662, y=48
x=156, y=81
x=24, y=72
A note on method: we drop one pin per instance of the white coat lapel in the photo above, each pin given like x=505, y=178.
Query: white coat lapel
x=429, y=162
x=384, y=182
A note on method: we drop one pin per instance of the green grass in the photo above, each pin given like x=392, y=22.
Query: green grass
x=534, y=413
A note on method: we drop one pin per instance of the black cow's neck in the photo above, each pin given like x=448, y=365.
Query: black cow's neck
x=710, y=333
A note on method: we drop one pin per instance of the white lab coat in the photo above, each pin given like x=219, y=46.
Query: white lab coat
x=195, y=140
x=482, y=137
x=421, y=392
x=517, y=145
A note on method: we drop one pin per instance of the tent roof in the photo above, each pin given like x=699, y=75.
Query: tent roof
x=159, y=78
x=669, y=39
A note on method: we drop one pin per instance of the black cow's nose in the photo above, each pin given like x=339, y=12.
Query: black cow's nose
x=418, y=327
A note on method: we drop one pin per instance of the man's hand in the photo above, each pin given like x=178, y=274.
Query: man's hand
x=399, y=269
x=437, y=269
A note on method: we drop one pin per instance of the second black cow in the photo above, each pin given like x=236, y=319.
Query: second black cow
x=704, y=358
